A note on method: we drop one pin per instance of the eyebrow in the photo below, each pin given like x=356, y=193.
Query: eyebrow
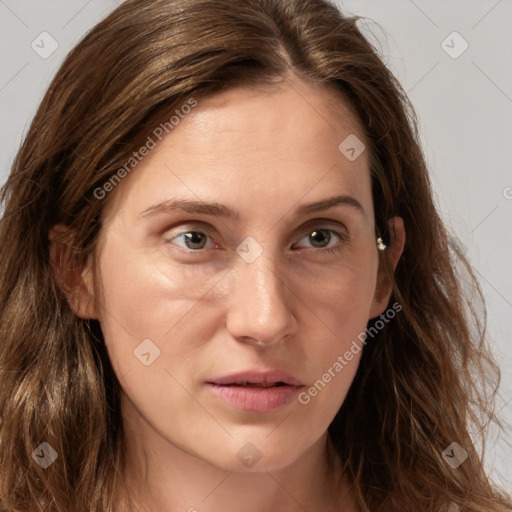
x=221, y=210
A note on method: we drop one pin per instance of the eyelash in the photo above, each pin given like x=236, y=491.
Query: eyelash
x=325, y=250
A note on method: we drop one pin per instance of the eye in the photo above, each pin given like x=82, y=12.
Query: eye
x=192, y=240
x=321, y=238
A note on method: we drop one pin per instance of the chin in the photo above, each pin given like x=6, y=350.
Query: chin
x=258, y=455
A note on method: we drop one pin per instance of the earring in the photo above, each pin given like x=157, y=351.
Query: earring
x=380, y=244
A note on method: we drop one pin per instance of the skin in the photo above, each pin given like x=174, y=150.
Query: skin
x=263, y=153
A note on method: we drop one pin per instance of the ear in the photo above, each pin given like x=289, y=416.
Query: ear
x=390, y=255
x=75, y=281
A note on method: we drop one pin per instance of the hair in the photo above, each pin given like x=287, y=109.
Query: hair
x=426, y=380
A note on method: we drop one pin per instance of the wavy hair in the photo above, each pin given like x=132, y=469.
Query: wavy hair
x=428, y=379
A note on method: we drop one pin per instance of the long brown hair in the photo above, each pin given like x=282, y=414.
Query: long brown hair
x=427, y=380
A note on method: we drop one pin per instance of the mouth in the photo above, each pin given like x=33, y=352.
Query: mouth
x=256, y=391
x=258, y=378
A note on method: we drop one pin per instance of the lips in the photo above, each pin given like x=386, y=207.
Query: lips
x=256, y=390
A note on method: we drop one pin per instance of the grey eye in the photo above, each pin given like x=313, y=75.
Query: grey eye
x=194, y=240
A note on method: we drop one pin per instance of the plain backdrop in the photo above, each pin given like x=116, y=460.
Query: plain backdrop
x=453, y=59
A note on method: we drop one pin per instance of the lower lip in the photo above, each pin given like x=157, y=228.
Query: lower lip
x=255, y=399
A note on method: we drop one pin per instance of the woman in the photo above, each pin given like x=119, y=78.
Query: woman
x=224, y=280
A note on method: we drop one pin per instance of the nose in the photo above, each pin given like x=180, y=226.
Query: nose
x=260, y=304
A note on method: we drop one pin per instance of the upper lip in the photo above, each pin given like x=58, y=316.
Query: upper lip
x=266, y=377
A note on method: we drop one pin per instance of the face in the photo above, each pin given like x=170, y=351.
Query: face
x=222, y=253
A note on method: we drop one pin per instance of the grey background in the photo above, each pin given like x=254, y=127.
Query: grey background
x=464, y=106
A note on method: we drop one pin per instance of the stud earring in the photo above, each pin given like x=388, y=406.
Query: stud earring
x=380, y=244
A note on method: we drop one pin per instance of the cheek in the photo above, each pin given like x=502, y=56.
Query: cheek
x=139, y=303
x=344, y=300
x=334, y=355
x=341, y=313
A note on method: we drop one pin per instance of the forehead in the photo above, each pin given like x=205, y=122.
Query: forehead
x=294, y=110
x=270, y=142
